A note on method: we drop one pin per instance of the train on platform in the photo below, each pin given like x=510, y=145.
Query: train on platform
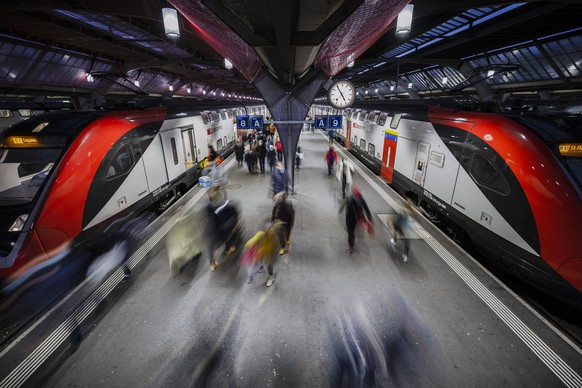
x=508, y=183
x=66, y=178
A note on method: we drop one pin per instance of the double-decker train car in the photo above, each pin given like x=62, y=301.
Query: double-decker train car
x=510, y=182
x=66, y=177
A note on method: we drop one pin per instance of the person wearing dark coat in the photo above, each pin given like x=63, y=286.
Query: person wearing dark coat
x=250, y=160
x=261, y=154
x=272, y=158
x=239, y=152
x=356, y=211
x=280, y=179
x=283, y=211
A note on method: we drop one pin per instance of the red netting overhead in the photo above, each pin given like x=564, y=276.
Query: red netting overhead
x=357, y=33
x=220, y=37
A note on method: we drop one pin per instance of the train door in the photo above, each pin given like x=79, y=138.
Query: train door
x=173, y=153
x=420, y=164
x=389, y=154
x=189, y=148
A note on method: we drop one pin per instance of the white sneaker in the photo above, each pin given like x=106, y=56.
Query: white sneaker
x=270, y=281
x=404, y=258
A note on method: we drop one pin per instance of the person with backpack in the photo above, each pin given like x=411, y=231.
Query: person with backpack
x=280, y=179
x=283, y=211
x=357, y=212
x=398, y=226
x=330, y=158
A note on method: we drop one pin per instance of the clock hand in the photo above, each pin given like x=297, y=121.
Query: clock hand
x=341, y=94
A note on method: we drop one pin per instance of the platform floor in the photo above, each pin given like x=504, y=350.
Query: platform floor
x=438, y=320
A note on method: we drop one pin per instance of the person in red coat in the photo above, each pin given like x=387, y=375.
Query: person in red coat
x=330, y=159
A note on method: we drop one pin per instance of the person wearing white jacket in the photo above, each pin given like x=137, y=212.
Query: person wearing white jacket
x=344, y=174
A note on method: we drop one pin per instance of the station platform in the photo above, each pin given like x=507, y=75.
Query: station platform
x=439, y=319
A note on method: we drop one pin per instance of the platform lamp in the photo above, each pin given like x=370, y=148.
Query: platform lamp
x=171, y=26
x=227, y=64
x=404, y=21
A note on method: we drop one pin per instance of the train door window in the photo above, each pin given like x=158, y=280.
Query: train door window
x=395, y=121
x=215, y=117
x=437, y=159
x=362, y=144
x=222, y=115
x=225, y=141
x=218, y=144
x=205, y=117
x=485, y=173
x=382, y=118
x=371, y=149
x=192, y=148
x=121, y=164
x=5, y=113
x=355, y=140
x=174, y=150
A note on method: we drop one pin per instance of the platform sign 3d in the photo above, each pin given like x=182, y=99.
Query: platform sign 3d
x=335, y=122
x=242, y=122
x=321, y=122
x=256, y=122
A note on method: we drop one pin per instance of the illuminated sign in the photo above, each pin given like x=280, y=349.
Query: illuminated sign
x=21, y=141
x=573, y=149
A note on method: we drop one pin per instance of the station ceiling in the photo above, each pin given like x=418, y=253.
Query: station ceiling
x=49, y=47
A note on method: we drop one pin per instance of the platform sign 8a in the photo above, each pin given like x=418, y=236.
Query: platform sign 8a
x=335, y=122
x=242, y=122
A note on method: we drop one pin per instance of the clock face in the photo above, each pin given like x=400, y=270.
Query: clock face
x=342, y=94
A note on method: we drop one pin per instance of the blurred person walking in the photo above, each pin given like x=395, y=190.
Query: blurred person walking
x=398, y=226
x=279, y=149
x=261, y=249
x=280, y=180
x=344, y=174
x=298, y=157
x=330, y=159
x=261, y=152
x=271, y=158
x=223, y=225
x=283, y=211
x=357, y=212
x=239, y=152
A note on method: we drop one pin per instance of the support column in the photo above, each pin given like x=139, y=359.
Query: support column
x=289, y=104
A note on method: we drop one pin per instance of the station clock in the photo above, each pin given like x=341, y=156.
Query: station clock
x=342, y=94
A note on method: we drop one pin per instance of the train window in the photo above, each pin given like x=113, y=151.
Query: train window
x=121, y=164
x=371, y=149
x=395, y=121
x=225, y=141
x=362, y=144
x=5, y=113
x=372, y=117
x=487, y=175
x=355, y=140
x=222, y=115
x=218, y=144
x=354, y=114
x=437, y=159
x=382, y=118
x=215, y=116
x=174, y=150
x=205, y=117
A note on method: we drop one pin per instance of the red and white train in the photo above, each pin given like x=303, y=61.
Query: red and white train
x=65, y=177
x=511, y=182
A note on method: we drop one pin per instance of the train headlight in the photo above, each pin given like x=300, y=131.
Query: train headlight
x=19, y=223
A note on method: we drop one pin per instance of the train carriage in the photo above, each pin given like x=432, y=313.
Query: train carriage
x=511, y=183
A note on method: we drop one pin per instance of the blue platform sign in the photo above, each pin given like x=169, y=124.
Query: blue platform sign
x=321, y=122
x=242, y=122
x=335, y=122
x=256, y=122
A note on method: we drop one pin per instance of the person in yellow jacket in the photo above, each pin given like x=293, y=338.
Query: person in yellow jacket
x=261, y=249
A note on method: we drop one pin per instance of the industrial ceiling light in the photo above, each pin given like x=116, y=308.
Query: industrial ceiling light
x=376, y=90
x=404, y=21
x=366, y=91
x=445, y=80
x=409, y=85
x=189, y=89
x=227, y=64
x=490, y=73
x=391, y=88
x=89, y=77
x=204, y=92
x=171, y=25
x=136, y=83
x=171, y=87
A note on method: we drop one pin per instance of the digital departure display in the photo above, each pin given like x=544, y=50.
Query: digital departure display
x=21, y=141
x=571, y=149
